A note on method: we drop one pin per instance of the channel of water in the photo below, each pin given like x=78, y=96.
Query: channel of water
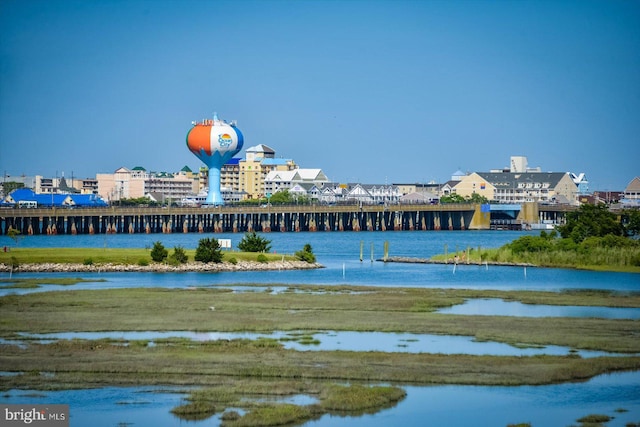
x=499, y=307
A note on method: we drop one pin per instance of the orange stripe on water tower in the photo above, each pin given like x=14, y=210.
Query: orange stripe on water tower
x=199, y=138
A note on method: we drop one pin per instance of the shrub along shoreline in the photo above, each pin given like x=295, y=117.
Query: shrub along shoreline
x=593, y=238
x=139, y=260
x=609, y=253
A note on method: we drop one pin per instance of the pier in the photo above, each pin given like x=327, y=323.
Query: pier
x=240, y=219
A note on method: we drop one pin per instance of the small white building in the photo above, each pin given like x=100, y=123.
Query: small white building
x=301, y=179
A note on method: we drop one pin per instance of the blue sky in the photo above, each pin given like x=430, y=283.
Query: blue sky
x=369, y=91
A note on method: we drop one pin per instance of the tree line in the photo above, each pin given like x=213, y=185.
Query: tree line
x=209, y=250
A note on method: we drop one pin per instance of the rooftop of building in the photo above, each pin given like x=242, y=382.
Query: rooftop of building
x=62, y=200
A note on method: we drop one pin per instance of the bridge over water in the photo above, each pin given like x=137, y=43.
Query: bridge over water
x=265, y=219
x=242, y=219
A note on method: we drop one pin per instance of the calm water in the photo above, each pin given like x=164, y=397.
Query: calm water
x=335, y=340
x=340, y=253
x=452, y=406
x=498, y=307
x=556, y=405
x=543, y=406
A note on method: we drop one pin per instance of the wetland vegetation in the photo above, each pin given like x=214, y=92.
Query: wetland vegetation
x=34, y=283
x=592, y=238
x=227, y=372
x=312, y=308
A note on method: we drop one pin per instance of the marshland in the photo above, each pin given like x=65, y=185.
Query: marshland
x=245, y=381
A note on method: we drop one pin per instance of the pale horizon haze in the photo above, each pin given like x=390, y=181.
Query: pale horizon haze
x=368, y=91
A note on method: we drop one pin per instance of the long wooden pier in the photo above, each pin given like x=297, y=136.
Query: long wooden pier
x=221, y=219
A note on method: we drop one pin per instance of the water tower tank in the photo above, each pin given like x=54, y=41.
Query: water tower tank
x=214, y=142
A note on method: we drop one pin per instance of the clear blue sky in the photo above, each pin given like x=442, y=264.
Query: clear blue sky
x=369, y=91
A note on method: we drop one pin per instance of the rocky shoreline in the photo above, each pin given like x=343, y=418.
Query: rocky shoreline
x=162, y=268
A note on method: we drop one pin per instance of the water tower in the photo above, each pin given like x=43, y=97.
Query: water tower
x=214, y=142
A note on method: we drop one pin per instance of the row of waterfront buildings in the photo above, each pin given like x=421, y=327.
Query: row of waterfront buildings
x=260, y=174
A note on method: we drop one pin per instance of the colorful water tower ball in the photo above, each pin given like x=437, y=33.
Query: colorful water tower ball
x=215, y=142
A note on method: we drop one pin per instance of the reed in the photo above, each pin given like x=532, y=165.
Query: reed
x=272, y=415
x=593, y=257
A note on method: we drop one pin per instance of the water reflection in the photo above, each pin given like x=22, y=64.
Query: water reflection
x=553, y=405
x=499, y=307
x=338, y=340
x=109, y=406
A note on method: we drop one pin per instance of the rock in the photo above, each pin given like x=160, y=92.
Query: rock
x=162, y=268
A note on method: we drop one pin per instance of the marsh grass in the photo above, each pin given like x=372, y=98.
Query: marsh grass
x=272, y=415
x=377, y=309
x=595, y=258
x=230, y=370
x=87, y=363
x=333, y=398
x=32, y=283
x=359, y=398
x=594, y=420
x=194, y=411
x=302, y=338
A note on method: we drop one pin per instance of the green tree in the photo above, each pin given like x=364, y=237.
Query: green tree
x=13, y=233
x=590, y=221
x=530, y=244
x=452, y=198
x=138, y=201
x=159, y=253
x=282, y=197
x=251, y=242
x=477, y=198
x=179, y=255
x=306, y=254
x=10, y=186
x=631, y=222
x=208, y=250
x=303, y=199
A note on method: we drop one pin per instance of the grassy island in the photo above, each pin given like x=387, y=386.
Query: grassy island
x=208, y=256
x=138, y=260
